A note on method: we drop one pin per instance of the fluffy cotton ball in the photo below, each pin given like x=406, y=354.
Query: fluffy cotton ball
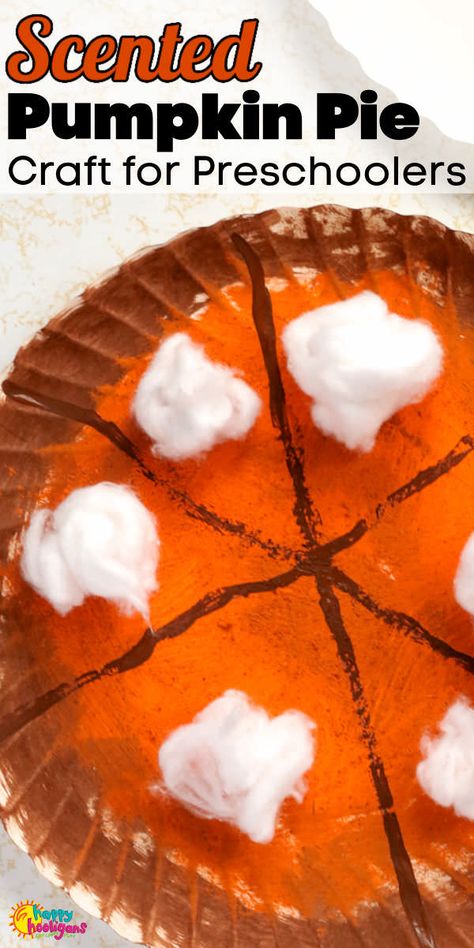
x=100, y=541
x=447, y=772
x=360, y=363
x=464, y=578
x=234, y=763
x=187, y=404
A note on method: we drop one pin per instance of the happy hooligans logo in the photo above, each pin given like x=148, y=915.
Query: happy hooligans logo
x=30, y=920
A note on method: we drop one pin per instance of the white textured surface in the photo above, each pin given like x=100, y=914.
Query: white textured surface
x=187, y=403
x=233, y=762
x=360, y=364
x=54, y=246
x=464, y=578
x=446, y=772
x=100, y=541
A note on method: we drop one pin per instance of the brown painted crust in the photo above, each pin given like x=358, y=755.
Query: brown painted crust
x=62, y=368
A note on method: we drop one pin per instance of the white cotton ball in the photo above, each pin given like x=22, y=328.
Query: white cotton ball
x=235, y=763
x=447, y=772
x=360, y=363
x=187, y=404
x=464, y=578
x=100, y=541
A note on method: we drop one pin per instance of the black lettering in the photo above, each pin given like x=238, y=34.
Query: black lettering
x=12, y=169
x=342, y=179
x=411, y=171
x=222, y=166
x=170, y=166
x=368, y=115
x=26, y=110
x=399, y=121
x=434, y=168
x=459, y=174
x=168, y=130
x=243, y=171
x=123, y=116
x=251, y=115
x=64, y=166
x=218, y=121
x=396, y=170
x=270, y=175
x=313, y=168
x=334, y=110
x=203, y=165
x=385, y=173
x=155, y=173
x=271, y=121
x=81, y=127
x=286, y=177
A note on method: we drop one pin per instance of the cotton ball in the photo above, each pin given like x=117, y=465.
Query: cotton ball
x=100, y=541
x=447, y=772
x=464, y=578
x=235, y=763
x=360, y=363
x=187, y=404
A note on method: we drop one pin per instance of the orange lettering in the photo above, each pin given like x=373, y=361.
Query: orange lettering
x=99, y=50
x=61, y=52
x=230, y=58
x=196, y=50
x=35, y=49
x=169, y=43
x=243, y=45
x=126, y=48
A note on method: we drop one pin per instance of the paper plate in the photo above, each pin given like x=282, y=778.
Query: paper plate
x=306, y=575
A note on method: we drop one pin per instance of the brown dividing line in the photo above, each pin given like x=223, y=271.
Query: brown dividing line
x=425, y=478
x=407, y=884
x=307, y=518
x=323, y=572
x=429, y=475
x=14, y=721
x=343, y=542
x=113, y=434
x=401, y=621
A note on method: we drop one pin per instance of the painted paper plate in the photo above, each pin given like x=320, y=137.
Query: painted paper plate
x=301, y=573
